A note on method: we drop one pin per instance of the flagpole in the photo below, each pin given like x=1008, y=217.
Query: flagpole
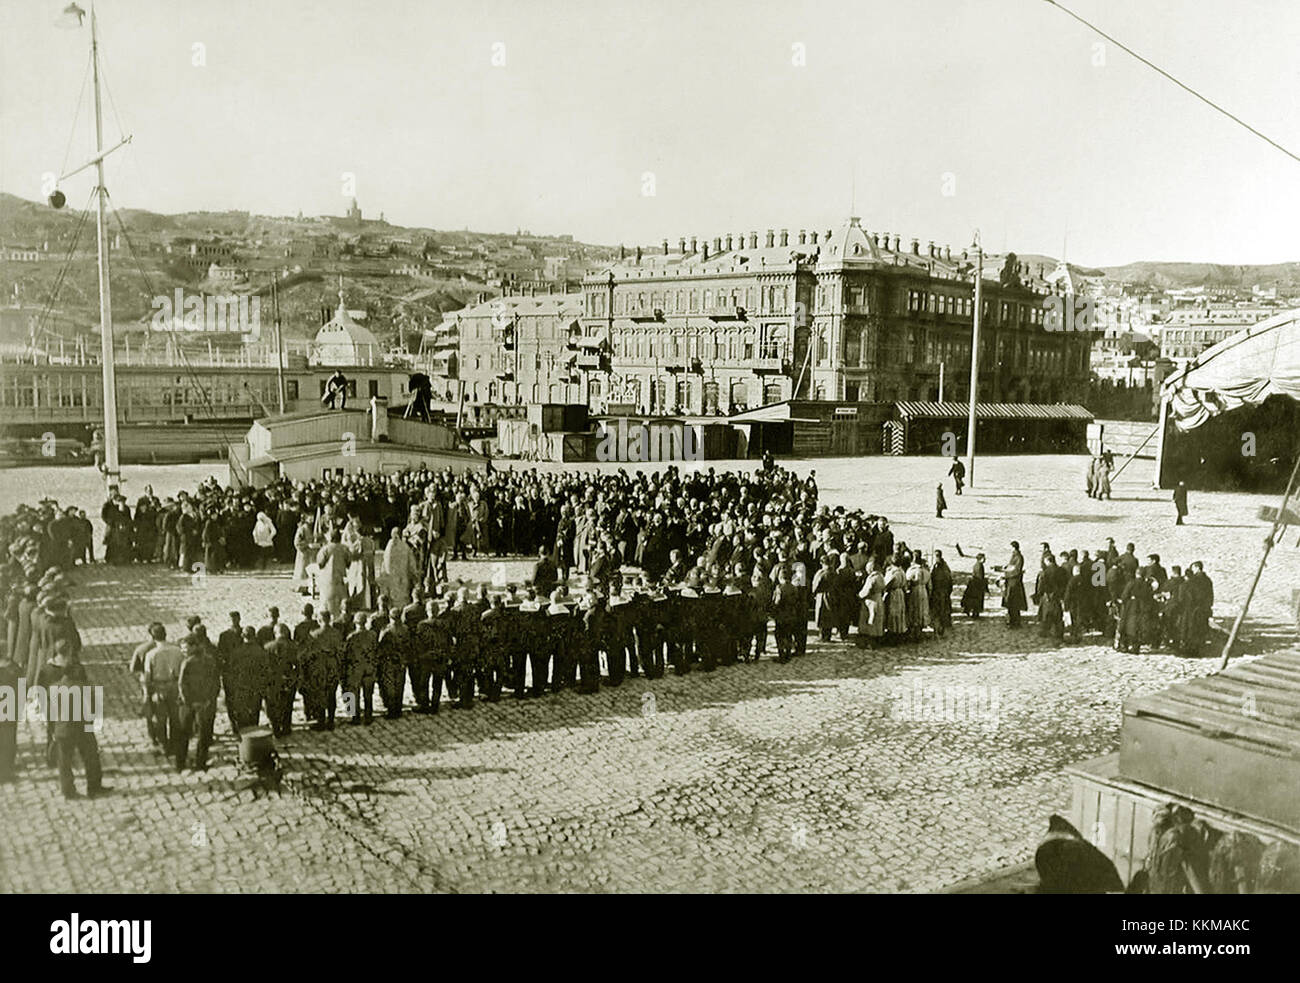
x=112, y=467
x=974, y=361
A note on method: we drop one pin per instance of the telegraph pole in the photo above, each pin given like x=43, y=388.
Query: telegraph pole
x=974, y=361
x=279, y=340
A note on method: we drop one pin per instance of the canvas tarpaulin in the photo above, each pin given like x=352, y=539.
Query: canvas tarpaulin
x=1247, y=368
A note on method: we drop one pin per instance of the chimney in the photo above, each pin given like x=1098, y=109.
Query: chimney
x=753, y=240
x=930, y=249
x=785, y=237
x=638, y=255
x=705, y=253
x=965, y=255
x=769, y=238
x=665, y=247
x=694, y=245
x=803, y=237
x=947, y=253
x=916, y=247
x=717, y=244
x=681, y=245
x=622, y=251
x=813, y=237
x=898, y=242
x=728, y=243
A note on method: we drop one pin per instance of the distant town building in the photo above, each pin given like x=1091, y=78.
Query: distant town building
x=342, y=341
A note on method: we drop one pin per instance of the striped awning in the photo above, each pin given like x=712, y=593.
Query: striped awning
x=993, y=411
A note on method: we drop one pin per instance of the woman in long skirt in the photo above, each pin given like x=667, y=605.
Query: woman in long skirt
x=871, y=620
x=822, y=585
x=304, y=551
x=895, y=601
x=918, y=598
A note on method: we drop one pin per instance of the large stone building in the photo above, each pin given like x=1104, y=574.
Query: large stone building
x=731, y=324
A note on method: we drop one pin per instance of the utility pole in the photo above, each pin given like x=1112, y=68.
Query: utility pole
x=112, y=466
x=974, y=360
x=279, y=340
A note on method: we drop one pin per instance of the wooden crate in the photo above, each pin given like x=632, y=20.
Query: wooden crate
x=1231, y=739
x=1115, y=814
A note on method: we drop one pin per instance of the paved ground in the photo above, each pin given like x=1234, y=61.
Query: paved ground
x=834, y=772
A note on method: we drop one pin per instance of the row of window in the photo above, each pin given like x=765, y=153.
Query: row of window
x=767, y=300
x=1210, y=335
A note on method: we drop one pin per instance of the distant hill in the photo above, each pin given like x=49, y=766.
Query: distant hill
x=397, y=306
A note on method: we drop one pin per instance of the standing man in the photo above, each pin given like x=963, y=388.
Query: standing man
x=198, y=684
x=958, y=473
x=162, y=666
x=940, y=503
x=1180, y=502
x=72, y=737
x=336, y=389
x=940, y=594
x=1013, y=586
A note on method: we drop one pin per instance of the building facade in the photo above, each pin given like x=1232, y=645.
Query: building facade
x=845, y=315
x=734, y=323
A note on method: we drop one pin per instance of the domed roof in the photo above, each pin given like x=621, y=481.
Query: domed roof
x=850, y=246
x=342, y=329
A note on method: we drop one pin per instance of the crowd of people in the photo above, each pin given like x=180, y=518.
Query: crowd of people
x=636, y=573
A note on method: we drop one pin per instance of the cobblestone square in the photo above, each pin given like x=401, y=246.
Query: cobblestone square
x=838, y=771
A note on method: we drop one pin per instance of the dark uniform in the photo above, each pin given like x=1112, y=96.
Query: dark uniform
x=590, y=637
x=494, y=634
x=540, y=642
x=200, y=682
x=393, y=644
x=281, y=682
x=467, y=627
x=322, y=673
x=359, y=671
x=432, y=645
x=72, y=737
x=245, y=681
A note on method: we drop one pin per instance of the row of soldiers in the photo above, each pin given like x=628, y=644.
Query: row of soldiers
x=470, y=643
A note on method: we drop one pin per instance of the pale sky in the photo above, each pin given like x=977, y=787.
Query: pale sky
x=1004, y=98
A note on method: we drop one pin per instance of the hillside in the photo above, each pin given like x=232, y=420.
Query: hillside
x=150, y=257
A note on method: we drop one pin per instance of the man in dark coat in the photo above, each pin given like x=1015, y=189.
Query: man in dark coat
x=391, y=653
x=199, y=684
x=958, y=473
x=72, y=737
x=281, y=679
x=245, y=681
x=1013, y=586
x=940, y=594
x=322, y=670
x=1180, y=502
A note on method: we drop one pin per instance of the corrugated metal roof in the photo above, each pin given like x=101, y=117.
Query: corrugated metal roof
x=993, y=411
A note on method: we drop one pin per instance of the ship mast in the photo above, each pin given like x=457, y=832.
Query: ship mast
x=112, y=468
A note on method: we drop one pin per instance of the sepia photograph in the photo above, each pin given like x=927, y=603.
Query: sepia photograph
x=715, y=448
